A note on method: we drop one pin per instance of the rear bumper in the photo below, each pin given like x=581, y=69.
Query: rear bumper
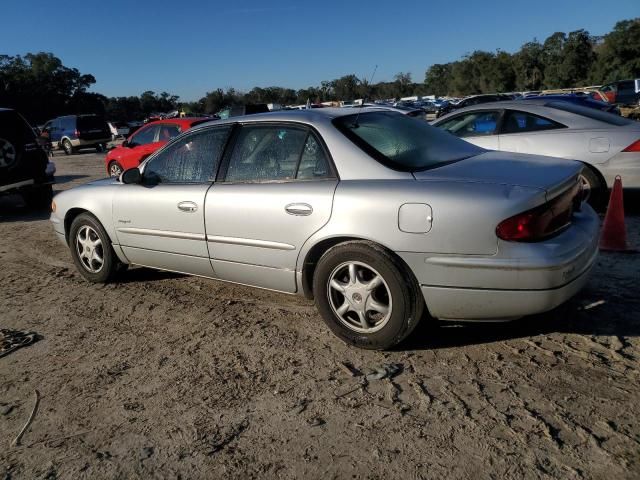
x=497, y=305
x=627, y=165
x=80, y=143
x=521, y=279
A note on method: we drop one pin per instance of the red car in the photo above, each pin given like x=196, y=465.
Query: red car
x=145, y=141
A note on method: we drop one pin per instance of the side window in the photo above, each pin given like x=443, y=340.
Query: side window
x=518, y=122
x=313, y=163
x=167, y=132
x=144, y=136
x=192, y=159
x=472, y=124
x=264, y=153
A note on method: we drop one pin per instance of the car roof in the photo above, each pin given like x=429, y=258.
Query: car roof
x=184, y=121
x=310, y=116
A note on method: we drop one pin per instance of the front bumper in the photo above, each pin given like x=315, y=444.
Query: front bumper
x=521, y=279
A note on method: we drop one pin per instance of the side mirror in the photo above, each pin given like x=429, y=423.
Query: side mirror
x=125, y=143
x=132, y=175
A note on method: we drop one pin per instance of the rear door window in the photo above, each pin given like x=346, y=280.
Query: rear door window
x=472, y=124
x=521, y=122
x=592, y=113
x=167, y=132
x=92, y=122
x=266, y=153
x=144, y=136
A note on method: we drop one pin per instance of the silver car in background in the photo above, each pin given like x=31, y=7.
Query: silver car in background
x=381, y=218
x=608, y=144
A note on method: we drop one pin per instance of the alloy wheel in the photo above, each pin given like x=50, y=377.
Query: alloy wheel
x=359, y=297
x=7, y=153
x=115, y=170
x=90, y=249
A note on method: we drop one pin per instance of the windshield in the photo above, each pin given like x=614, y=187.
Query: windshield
x=592, y=113
x=403, y=143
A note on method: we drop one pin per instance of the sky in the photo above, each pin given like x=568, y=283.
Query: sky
x=191, y=47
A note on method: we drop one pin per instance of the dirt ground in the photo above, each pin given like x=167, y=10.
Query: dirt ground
x=168, y=376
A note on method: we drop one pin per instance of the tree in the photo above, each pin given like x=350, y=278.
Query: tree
x=403, y=84
x=346, y=87
x=41, y=87
x=618, y=56
x=437, y=79
x=528, y=66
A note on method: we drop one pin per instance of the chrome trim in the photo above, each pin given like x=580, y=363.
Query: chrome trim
x=162, y=233
x=16, y=185
x=249, y=242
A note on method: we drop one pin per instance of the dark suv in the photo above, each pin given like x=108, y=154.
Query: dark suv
x=73, y=132
x=23, y=161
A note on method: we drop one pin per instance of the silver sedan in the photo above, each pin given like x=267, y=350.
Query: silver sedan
x=608, y=144
x=381, y=218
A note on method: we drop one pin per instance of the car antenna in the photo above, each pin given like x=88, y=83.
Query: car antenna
x=355, y=123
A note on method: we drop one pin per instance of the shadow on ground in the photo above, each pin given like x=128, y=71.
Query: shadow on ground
x=14, y=209
x=602, y=319
x=143, y=274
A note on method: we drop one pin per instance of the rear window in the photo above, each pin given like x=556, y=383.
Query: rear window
x=92, y=122
x=15, y=128
x=592, y=113
x=403, y=143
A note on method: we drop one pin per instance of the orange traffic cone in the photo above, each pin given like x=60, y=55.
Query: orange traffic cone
x=614, y=233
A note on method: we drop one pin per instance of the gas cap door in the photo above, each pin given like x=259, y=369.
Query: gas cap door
x=415, y=218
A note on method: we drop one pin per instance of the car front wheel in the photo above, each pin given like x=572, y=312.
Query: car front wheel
x=115, y=169
x=366, y=295
x=67, y=147
x=91, y=249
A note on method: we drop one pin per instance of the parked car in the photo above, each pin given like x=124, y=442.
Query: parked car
x=607, y=144
x=624, y=92
x=144, y=142
x=74, y=132
x=240, y=110
x=449, y=107
x=377, y=216
x=579, y=99
x=24, y=164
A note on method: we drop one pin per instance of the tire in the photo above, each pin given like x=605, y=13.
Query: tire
x=391, y=310
x=594, y=190
x=67, y=147
x=39, y=198
x=115, y=169
x=85, y=231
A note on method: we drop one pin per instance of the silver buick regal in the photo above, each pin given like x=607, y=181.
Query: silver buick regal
x=382, y=219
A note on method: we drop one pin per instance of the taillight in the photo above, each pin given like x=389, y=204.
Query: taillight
x=77, y=133
x=634, y=147
x=541, y=222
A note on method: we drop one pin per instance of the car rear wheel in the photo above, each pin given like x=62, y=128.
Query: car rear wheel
x=67, y=147
x=115, y=169
x=91, y=249
x=366, y=295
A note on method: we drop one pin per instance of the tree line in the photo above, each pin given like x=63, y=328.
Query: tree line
x=41, y=87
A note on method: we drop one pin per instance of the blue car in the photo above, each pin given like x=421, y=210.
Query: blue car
x=74, y=132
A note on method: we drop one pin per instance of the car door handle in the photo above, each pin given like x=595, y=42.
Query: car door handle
x=299, y=209
x=188, y=207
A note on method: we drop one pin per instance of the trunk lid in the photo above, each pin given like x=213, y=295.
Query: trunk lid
x=553, y=175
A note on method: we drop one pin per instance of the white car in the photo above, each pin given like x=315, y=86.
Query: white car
x=608, y=145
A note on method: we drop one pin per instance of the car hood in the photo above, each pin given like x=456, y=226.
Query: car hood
x=506, y=168
x=102, y=182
